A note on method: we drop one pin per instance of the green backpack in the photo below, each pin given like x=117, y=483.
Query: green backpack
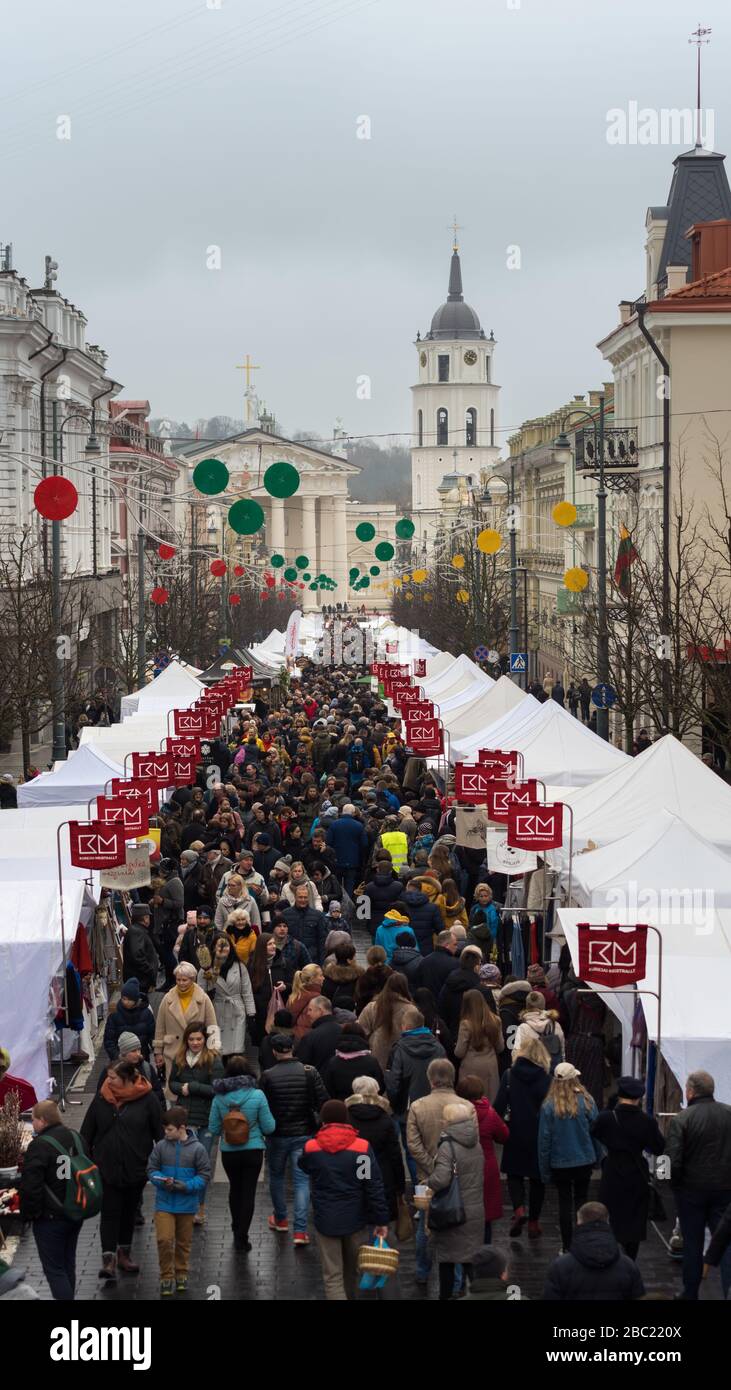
x=83, y=1192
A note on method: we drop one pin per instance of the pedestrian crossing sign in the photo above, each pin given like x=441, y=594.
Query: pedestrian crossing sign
x=518, y=662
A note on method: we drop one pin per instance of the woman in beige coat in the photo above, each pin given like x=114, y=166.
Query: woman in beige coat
x=479, y=1041
x=185, y=1003
x=381, y=1019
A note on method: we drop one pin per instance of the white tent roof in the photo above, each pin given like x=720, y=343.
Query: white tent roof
x=461, y=674
x=667, y=776
x=663, y=857
x=83, y=775
x=175, y=688
x=28, y=844
x=485, y=708
x=138, y=734
x=696, y=986
x=555, y=746
x=438, y=663
x=30, y=955
x=500, y=732
x=451, y=706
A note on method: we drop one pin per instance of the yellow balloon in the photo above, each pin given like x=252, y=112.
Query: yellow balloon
x=406, y=578
x=419, y=576
x=489, y=541
x=408, y=597
x=458, y=562
x=462, y=596
x=564, y=513
x=575, y=579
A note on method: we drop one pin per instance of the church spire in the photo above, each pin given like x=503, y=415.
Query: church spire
x=454, y=294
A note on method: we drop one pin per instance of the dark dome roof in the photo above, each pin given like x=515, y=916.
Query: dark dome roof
x=455, y=319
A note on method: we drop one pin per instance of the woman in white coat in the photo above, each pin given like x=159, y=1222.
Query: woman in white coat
x=228, y=984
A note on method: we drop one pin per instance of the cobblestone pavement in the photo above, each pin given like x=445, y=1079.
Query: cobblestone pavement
x=274, y=1270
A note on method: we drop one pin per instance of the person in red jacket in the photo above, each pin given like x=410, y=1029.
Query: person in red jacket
x=493, y=1130
x=348, y=1197
x=23, y=1089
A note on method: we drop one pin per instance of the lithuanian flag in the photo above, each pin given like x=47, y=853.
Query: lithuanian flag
x=626, y=554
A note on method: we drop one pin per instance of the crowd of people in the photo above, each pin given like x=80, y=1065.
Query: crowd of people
x=333, y=992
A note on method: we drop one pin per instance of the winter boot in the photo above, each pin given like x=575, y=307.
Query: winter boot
x=534, y=1230
x=124, y=1263
x=519, y=1220
x=108, y=1270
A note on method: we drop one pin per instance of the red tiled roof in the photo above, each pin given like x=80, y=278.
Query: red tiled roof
x=117, y=407
x=716, y=286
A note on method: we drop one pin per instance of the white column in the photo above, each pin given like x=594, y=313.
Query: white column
x=276, y=526
x=309, y=547
x=339, y=551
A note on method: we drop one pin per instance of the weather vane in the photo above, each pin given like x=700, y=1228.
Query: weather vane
x=699, y=37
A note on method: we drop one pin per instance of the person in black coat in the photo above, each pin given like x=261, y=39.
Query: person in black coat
x=352, y=1058
x=132, y=1015
x=307, y=925
x=42, y=1193
x=466, y=976
x=318, y=1045
x=119, y=1130
x=424, y=917
x=594, y=1270
x=625, y=1131
x=522, y=1091
x=370, y=1114
x=439, y=964
x=408, y=960
x=384, y=890
x=139, y=957
x=510, y=1007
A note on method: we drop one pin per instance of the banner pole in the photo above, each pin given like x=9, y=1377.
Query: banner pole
x=62, y=1085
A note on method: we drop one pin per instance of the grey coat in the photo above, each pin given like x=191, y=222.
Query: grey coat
x=458, y=1244
x=233, y=1002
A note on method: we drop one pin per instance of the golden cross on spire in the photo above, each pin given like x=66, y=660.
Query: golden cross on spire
x=248, y=367
x=455, y=227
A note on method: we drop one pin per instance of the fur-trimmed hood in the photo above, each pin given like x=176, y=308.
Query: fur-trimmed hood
x=380, y=1101
x=343, y=974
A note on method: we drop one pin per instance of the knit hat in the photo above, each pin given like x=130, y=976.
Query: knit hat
x=334, y=1112
x=490, y=975
x=283, y=865
x=565, y=1071
x=536, y=975
x=128, y=1042
x=535, y=1000
x=131, y=989
x=281, y=1042
x=264, y=839
x=189, y=856
x=393, y=915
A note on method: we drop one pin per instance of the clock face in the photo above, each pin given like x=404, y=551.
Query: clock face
x=422, y=359
x=470, y=357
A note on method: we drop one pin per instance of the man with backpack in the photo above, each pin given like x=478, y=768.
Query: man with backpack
x=59, y=1188
x=295, y=1094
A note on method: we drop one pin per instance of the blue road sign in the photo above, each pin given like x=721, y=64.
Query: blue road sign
x=518, y=663
x=603, y=696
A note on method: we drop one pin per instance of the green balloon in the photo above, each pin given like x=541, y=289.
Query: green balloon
x=291, y=574
x=306, y=576
x=302, y=562
x=384, y=551
x=354, y=572
x=405, y=529
x=210, y=476
x=281, y=479
x=245, y=516
x=365, y=531
x=313, y=586
x=375, y=569
x=277, y=561
x=365, y=582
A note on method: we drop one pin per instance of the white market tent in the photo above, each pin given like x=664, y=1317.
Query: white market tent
x=175, y=688
x=435, y=665
x=485, y=709
x=666, y=777
x=138, y=734
x=556, y=747
x=460, y=675
x=84, y=774
x=696, y=985
x=665, y=861
x=30, y=955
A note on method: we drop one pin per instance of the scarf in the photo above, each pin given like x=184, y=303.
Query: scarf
x=192, y=1058
x=185, y=996
x=345, y=1056
x=119, y=1092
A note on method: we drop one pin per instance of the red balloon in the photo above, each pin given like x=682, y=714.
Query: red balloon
x=218, y=567
x=269, y=580
x=159, y=595
x=234, y=599
x=264, y=594
x=56, y=498
x=166, y=552
x=301, y=584
x=239, y=570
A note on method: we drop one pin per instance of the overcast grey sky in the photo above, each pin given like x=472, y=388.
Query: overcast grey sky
x=236, y=127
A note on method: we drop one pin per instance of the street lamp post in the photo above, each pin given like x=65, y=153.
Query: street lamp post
x=513, y=637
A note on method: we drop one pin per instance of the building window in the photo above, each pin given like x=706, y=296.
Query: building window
x=442, y=427
x=443, y=363
x=487, y=368
x=471, y=427
x=420, y=428
x=418, y=489
x=492, y=427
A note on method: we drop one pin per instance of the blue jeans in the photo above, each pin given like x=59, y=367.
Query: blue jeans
x=280, y=1152
x=203, y=1134
x=697, y=1210
x=56, y=1240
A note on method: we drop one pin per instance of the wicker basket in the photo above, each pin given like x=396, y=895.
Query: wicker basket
x=376, y=1259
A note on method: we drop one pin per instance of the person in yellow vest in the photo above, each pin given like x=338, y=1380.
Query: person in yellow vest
x=185, y=1003
x=396, y=842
